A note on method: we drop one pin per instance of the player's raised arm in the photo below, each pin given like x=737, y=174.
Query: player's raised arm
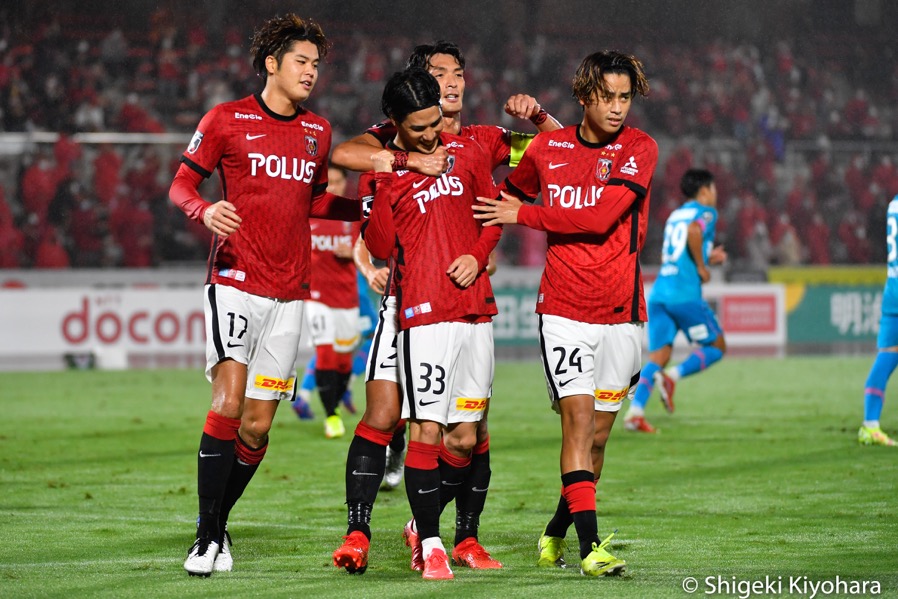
x=379, y=232
x=357, y=154
x=523, y=106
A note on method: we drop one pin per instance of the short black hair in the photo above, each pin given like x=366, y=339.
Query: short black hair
x=421, y=55
x=693, y=180
x=409, y=91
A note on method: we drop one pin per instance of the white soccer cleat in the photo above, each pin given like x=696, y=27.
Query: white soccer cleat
x=201, y=557
x=394, y=470
x=224, y=561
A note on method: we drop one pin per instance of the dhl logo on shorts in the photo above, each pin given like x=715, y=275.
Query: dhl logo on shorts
x=274, y=384
x=469, y=404
x=611, y=396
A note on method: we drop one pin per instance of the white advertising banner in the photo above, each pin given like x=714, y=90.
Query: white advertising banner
x=120, y=327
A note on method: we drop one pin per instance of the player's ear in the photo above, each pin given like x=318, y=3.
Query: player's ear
x=271, y=64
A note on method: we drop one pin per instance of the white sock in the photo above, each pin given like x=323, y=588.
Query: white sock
x=634, y=411
x=871, y=423
x=431, y=543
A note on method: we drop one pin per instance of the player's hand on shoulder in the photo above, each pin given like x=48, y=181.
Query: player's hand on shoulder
x=493, y=211
x=383, y=161
x=221, y=218
x=432, y=165
x=522, y=106
x=717, y=255
x=463, y=270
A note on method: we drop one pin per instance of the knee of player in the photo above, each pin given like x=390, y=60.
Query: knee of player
x=255, y=431
x=382, y=417
x=720, y=343
x=461, y=440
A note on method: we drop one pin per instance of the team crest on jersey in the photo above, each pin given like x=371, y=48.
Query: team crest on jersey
x=195, y=143
x=451, y=159
x=603, y=169
x=311, y=146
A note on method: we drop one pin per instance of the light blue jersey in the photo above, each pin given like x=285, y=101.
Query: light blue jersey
x=678, y=279
x=890, y=295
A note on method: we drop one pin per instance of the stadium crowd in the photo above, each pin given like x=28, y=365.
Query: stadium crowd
x=800, y=143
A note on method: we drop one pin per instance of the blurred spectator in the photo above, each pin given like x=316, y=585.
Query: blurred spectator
x=39, y=184
x=51, y=251
x=758, y=250
x=817, y=236
x=853, y=235
x=786, y=245
x=107, y=173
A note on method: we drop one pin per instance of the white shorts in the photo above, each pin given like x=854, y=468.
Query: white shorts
x=602, y=360
x=382, y=364
x=260, y=332
x=446, y=371
x=334, y=326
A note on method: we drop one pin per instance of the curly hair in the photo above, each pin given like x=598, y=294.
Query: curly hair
x=589, y=80
x=276, y=36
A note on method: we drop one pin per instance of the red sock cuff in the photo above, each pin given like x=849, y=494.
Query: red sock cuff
x=370, y=433
x=453, y=460
x=483, y=446
x=581, y=497
x=248, y=455
x=326, y=357
x=221, y=427
x=344, y=363
x=400, y=425
x=422, y=456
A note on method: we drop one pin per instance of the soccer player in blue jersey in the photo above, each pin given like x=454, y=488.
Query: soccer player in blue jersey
x=887, y=359
x=675, y=301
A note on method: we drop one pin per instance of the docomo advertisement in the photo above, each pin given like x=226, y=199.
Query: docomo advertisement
x=112, y=324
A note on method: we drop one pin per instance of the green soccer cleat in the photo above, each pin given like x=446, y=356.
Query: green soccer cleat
x=868, y=435
x=551, y=551
x=333, y=427
x=601, y=563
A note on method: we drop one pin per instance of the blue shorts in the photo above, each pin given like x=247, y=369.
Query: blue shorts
x=888, y=332
x=367, y=313
x=695, y=319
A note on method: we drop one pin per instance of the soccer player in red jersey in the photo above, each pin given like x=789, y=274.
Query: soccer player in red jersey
x=446, y=63
x=595, y=179
x=271, y=155
x=333, y=314
x=445, y=306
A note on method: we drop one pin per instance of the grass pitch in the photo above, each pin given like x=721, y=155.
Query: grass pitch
x=758, y=474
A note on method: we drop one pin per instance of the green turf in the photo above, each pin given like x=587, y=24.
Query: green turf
x=757, y=474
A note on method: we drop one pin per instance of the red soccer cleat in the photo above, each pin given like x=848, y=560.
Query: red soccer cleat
x=414, y=543
x=436, y=567
x=353, y=553
x=666, y=386
x=638, y=424
x=470, y=553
